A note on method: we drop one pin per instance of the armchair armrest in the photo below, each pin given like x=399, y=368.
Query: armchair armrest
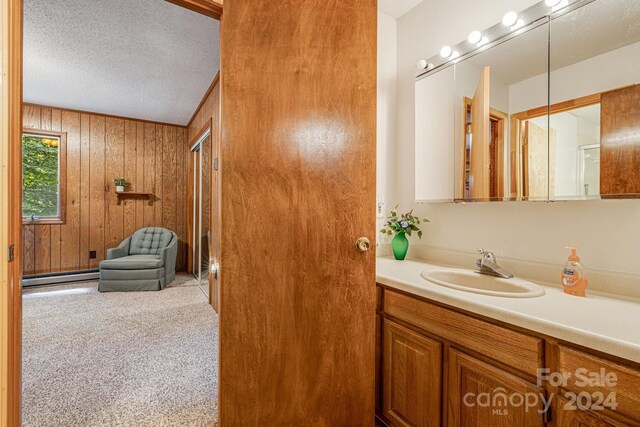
x=121, y=251
x=169, y=254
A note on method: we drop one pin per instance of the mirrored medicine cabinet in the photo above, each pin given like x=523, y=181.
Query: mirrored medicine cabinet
x=545, y=109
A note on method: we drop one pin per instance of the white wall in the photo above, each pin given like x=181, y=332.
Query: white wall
x=608, y=232
x=387, y=111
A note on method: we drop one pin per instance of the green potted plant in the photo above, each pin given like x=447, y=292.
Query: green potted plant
x=120, y=183
x=400, y=227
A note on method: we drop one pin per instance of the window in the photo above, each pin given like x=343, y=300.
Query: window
x=43, y=176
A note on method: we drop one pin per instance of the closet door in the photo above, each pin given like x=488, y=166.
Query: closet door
x=297, y=298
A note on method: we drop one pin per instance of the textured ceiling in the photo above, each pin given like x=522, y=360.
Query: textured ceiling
x=146, y=59
x=397, y=8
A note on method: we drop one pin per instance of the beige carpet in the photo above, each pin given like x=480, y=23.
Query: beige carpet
x=119, y=359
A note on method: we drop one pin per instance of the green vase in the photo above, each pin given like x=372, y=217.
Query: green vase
x=400, y=245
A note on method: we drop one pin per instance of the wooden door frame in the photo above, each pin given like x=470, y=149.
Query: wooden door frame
x=495, y=116
x=518, y=167
x=11, y=198
x=11, y=213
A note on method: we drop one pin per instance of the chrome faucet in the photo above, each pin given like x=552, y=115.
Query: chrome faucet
x=487, y=264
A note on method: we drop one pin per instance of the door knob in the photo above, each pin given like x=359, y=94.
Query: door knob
x=363, y=244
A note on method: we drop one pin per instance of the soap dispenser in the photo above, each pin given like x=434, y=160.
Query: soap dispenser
x=574, y=279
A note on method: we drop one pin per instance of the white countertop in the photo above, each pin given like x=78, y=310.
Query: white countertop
x=599, y=321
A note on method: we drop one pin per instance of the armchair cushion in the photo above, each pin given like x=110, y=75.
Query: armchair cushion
x=132, y=262
x=149, y=240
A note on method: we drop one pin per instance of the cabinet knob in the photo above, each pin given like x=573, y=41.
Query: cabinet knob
x=363, y=244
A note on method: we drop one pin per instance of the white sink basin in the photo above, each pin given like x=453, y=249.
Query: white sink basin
x=468, y=281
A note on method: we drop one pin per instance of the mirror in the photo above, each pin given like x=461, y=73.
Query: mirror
x=499, y=157
x=548, y=110
x=469, y=147
x=595, y=101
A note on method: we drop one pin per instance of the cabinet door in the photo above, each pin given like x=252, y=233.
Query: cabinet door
x=480, y=394
x=412, y=366
x=576, y=418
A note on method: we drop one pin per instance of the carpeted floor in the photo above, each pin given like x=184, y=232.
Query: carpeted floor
x=119, y=359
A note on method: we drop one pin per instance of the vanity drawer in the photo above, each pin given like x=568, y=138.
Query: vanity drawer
x=521, y=351
x=626, y=389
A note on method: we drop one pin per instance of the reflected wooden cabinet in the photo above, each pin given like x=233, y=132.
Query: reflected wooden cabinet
x=412, y=377
x=470, y=380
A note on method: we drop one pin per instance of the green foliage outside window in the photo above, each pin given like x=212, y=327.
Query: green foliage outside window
x=40, y=181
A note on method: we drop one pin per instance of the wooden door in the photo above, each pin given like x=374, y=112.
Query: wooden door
x=297, y=299
x=480, y=157
x=620, y=141
x=539, y=161
x=472, y=383
x=412, y=375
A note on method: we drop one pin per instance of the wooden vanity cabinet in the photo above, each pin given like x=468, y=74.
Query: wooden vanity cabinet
x=437, y=366
x=470, y=379
x=572, y=418
x=412, y=377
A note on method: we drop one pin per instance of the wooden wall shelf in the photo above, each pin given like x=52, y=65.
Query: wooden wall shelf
x=134, y=195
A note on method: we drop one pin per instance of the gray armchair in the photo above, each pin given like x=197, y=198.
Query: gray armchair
x=145, y=261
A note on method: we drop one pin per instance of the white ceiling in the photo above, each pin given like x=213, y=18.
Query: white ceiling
x=397, y=8
x=146, y=59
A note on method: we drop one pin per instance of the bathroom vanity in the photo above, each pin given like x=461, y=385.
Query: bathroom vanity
x=450, y=357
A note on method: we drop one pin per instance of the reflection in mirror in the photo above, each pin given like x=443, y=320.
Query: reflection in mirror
x=595, y=101
x=500, y=154
x=434, y=137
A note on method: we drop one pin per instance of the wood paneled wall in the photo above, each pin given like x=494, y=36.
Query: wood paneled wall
x=209, y=112
x=151, y=156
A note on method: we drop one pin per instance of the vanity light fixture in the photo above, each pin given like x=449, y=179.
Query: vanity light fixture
x=445, y=52
x=424, y=65
x=483, y=42
x=455, y=54
x=518, y=24
x=475, y=37
x=510, y=19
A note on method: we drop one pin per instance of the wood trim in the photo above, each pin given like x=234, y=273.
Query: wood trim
x=210, y=8
x=105, y=115
x=11, y=213
x=201, y=132
x=62, y=185
x=213, y=84
x=559, y=107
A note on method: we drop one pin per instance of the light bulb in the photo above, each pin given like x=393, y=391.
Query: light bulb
x=445, y=52
x=474, y=37
x=421, y=64
x=509, y=19
x=552, y=3
x=517, y=25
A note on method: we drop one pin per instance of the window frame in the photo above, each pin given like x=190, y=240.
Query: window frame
x=62, y=175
